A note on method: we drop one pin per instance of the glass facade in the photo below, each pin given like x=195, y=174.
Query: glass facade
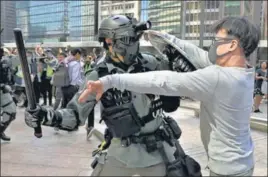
x=7, y=20
x=74, y=20
x=164, y=15
x=232, y=8
x=56, y=21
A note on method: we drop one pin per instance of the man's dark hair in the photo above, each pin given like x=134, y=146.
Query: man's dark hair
x=247, y=33
x=63, y=54
x=76, y=51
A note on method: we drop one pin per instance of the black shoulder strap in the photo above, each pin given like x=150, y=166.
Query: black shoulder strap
x=102, y=69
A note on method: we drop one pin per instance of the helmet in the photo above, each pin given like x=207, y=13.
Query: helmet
x=121, y=29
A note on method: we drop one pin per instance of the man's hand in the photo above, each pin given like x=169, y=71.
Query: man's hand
x=171, y=52
x=34, y=118
x=91, y=88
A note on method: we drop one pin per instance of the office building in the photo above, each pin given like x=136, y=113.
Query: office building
x=124, y=7
x=56, y=21
x=8, y=20
x=164, y=15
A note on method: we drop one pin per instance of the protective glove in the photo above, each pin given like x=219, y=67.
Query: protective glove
x=177, y=61
x=170, y=52
x=34, y=118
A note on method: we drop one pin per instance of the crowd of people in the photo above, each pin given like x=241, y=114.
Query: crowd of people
x=55, y=75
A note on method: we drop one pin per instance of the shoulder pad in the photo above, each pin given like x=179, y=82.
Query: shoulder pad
x=149, y=61
x=101, y=68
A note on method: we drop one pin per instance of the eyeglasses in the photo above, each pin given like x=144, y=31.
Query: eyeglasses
x=109, y=44
x=219, y=39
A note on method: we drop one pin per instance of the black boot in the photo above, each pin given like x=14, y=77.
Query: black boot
x=4, y=137
x=3, y=127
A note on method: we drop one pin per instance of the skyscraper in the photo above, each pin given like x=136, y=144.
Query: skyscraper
x=8, y=20
x=164, y=15
x=56, y=21
x=130, y=8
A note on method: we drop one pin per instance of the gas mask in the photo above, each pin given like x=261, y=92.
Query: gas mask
x=125, y=33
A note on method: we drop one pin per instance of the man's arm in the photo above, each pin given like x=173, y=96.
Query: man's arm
x=199, y=84
x=75, y=113
x=197, y=56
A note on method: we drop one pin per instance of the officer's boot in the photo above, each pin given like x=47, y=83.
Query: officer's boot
x=3, y=127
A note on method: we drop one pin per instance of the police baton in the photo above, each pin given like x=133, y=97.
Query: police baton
x=26, y=76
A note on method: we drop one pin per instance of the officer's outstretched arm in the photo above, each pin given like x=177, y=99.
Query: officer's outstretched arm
x=197, y=56
x=71, y=117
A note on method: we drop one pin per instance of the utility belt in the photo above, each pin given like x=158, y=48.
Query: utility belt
x=170, y=132
x=167, y=132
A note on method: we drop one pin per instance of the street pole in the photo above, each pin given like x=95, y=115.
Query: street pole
x=256, y=18
x=96, y=17
x=183, y=19
x=202, y=25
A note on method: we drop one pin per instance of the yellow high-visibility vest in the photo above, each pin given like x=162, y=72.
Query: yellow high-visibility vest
x=49, y=71
x=19, y=73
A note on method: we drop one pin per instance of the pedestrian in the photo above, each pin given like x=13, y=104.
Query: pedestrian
x=34, y=74
x=260, y=80
x=75, y=76
x=90, y=121
x=225, y=88
x=58, y=95
x=46, y=76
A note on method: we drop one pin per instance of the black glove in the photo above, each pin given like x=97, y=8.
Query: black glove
x=177, y=62
x=34, y=118
x=170, y=52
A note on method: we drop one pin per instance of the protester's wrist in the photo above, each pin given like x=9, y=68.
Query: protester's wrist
x=106, y=82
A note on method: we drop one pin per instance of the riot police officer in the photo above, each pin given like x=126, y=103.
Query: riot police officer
x=135, y=121
x=7, y=104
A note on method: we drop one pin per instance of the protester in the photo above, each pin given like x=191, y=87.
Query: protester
x=225, y=89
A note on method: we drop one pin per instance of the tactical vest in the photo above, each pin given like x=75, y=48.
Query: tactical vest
x=119, y=113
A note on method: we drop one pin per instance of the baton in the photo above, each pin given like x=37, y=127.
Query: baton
x=26, y=76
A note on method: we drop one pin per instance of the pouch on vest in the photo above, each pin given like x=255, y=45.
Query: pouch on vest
x=122, y=120
x=183, y=165
x=61, y=76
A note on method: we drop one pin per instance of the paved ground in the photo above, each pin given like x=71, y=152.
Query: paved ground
x=263, y=108
x=56, y=154
x=69, y=154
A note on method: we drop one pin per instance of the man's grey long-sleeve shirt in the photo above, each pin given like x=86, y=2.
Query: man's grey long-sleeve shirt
x=226, y=101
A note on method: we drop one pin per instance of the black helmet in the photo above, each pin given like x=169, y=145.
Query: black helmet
x=121, y=29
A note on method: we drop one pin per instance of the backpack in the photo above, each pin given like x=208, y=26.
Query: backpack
x=61, y=76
